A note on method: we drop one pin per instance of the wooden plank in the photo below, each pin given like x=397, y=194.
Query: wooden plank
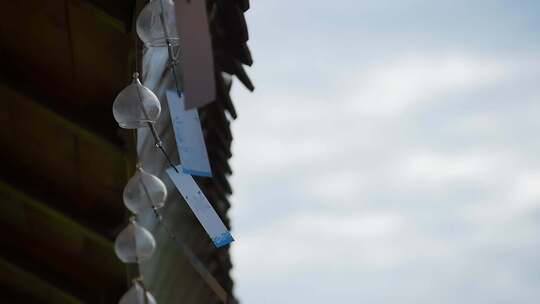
x=37, y=31
x=116, y=14
x=68, y=50
x=118, y=10
x=61, y=157
x=100, y=54
x=31, y=228
x=32, y=287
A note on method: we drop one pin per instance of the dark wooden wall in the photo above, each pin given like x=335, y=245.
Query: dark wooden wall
x=63, y=164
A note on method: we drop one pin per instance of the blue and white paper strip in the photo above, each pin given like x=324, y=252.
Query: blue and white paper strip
x=201, y=207
x=189, y=137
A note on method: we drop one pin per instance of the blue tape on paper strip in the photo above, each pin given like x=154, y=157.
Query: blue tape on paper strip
x=201, y=207
x=189, y=137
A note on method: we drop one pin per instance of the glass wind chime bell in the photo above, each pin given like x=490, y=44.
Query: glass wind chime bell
x=136, y=106
x=144, y=191
x=156, y=24
x=137, y=294
x=134, y=244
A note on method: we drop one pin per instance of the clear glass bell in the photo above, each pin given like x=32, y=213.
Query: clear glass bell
x=150, y=25
x=134, y=244
x=144, y=191
x=136, y=106
x=136, y=295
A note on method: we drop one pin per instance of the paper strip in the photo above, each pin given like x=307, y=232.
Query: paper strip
x=197, y=60
x=189, y=137
x=201, y=207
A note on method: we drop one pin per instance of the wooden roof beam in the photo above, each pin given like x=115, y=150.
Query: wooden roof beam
x=56, y=241
x=32, y=287
x=66, y=163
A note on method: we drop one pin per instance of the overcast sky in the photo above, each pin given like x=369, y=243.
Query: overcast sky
x=390, y=153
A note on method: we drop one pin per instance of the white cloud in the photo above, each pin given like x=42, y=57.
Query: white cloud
x=402, y=84
x=293, y=244
x=428, y=168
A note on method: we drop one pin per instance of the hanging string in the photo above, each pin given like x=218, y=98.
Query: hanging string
x=157, y=214
x=173, y=60
x=145, y=296
x=175, y=78
x=157, y=140
x=192, y=258
x=139, y=278
x=136, y=38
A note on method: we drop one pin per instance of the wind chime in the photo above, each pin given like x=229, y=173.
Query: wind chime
x=137, y=107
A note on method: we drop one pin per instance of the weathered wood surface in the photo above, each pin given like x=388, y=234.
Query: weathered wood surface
x=77, y=170
x=63, y=165
x=69, y=51
x=78, y=258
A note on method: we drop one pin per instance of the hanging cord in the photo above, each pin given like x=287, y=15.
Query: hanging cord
x=145, y=291
x=157, y=140
x=139, y=278
x=158, y=215
x=173, y=60
x=136, y=38
x=192, y=258
x=140, y=281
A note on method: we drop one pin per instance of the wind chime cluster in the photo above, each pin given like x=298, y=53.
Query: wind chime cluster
x=136, y=107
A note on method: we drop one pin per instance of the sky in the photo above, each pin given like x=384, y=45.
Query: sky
x=389, y=153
